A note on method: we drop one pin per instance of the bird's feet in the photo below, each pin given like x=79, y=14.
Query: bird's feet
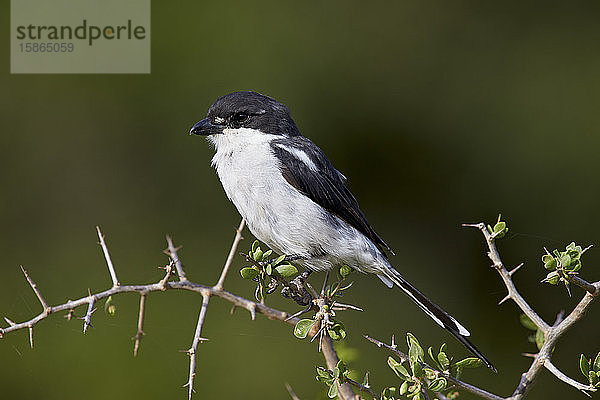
x=296, y=290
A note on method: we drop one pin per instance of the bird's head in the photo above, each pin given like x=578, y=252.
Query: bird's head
x=239, y=111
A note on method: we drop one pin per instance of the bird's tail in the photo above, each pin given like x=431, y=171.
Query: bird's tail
x=440, y=316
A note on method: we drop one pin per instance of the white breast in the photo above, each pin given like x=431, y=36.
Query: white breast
x=251, y=177
x=278, y=214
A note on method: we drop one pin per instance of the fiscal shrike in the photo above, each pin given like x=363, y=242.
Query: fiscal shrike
x=294, y=200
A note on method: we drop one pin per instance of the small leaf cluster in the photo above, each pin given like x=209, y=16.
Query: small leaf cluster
x=336, y=331
x=333, y=378
x=263, y=270
x=562, y=263
x=591, y=371
x=499, y=230
x=335, y=328
x=538, y=337
x=419, y=376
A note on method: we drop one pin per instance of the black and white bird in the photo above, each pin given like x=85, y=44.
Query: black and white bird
x=294, y=200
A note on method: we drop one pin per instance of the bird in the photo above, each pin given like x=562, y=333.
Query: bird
x=295, y=201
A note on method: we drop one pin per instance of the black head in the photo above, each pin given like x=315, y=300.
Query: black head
x=247, y=110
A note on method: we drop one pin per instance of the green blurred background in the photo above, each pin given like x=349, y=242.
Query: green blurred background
x=438, y=112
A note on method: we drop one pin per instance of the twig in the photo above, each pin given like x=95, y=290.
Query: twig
x=403, y=357
x=172, y=252
x=109, y=263
x=585, y=285
x=558, y=373
x=551, y=337
x=161, y=286
x=291, y=392
x=456, y=382
x=37, y=292
x=506, y=277
x=168, y=271
x=197, y=339
x=87, y=320
x=345, y=391
x=551, y=333
x=140, y=327
x=238, y=237
x=236, y=300
x=362, y=388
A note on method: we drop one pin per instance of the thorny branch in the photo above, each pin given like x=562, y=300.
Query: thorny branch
x=551, y=333
x=164, y=284
x=140, y=331
x=345, y=392
x=456, y=382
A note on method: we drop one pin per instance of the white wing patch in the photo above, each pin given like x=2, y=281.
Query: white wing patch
x=299, y=154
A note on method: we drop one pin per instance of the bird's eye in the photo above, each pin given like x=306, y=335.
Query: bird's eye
x=240, y=118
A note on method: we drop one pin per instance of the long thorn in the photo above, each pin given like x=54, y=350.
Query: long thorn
x=36, y=291
x=109, y=263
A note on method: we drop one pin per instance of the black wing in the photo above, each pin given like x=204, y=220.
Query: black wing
x=305, y=166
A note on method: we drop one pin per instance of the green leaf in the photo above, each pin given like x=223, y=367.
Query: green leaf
x=248, y=273
x=324, y=376
x=415, y=351
x=398, y=368
x=438, y=384
x=418, y=396
x=435, y=360
x=565, y=260
x=499, y=227
x=343, y=370
x=337, y=331
x=571, y=246
x=303, y=327
x=414, y=389
x=539, y=338
x=552, y=278
x=258, y=255
x=575, y=266
x=255, y=246
x=584, y=366
x=418, y=370
x=404, y=388
x=430, y=373
x=527, y=322
x=333, y=391
x=336, y=373
x=267, y=254
x=444, y=361
x=549, y=262
x=269, y=269
x=286, y=270
x=345, y=271
x=597, y=363
x=469, y=362
x=278, y=260
x=593, y=377
x=389, y=393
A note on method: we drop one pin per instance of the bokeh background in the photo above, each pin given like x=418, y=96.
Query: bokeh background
x=438, y=112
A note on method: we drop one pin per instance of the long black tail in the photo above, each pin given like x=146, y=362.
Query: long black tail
x=440, y=316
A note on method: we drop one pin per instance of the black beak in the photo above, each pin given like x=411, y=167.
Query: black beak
x=205, y=128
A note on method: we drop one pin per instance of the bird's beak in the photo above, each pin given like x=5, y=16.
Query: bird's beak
x=205, y=128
